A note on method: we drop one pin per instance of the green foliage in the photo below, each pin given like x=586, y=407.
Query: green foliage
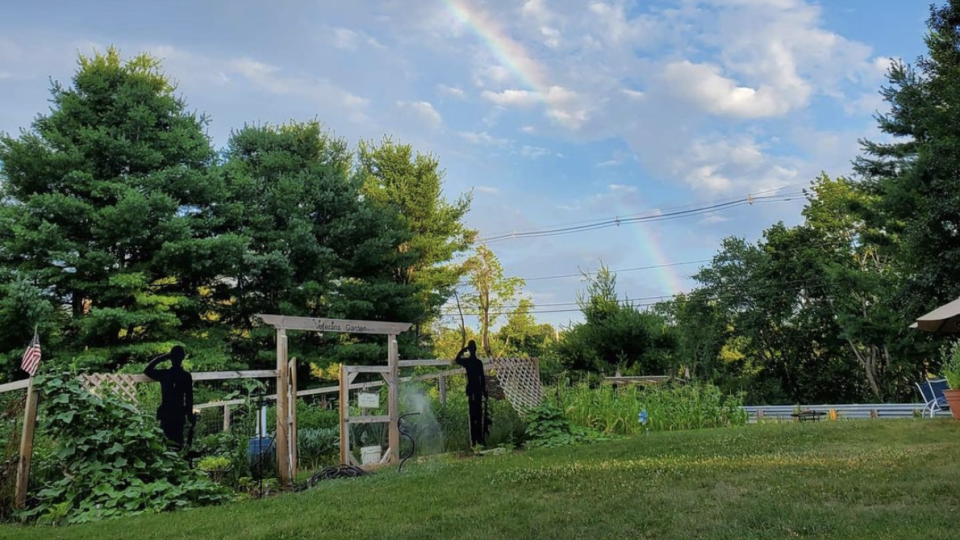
x=317, y=448
x=915, y=176
x=615, y=335
x=113, y=460
x=615, y=411
x=411, y=187
x=492, y=292
x=102, y=202
x=951, y=365
x=548, y=427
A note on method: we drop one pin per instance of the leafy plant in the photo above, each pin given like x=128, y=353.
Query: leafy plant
x=113, y=460
x=951, y=365
x=317, y=447
x=547, y=427
x=616, y=410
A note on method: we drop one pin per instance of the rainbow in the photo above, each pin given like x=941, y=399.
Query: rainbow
x=668, y=276
x=511, y=54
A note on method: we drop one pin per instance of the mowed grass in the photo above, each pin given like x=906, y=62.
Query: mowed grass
x=857, y=479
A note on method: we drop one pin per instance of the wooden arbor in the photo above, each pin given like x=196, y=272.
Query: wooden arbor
x=286, y=407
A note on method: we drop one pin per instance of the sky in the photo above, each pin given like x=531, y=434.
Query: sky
x=550, y=112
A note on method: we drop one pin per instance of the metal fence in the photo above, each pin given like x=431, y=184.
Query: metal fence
x=843, y=411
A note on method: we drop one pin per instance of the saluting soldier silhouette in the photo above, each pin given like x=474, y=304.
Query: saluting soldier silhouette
x=176, y=395
x=476, y=393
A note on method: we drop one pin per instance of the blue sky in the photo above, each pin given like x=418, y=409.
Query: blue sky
x=552, y=112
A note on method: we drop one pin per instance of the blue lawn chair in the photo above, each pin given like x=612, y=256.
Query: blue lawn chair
x=932, y=392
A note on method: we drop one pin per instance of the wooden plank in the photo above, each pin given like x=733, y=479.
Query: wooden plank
x=226, y=418
x=228, y=375
x=344, y=416
x=294, y=457
x=15, y=385
x=26, y=445
x=368, y=419
x=283, y=322
x=442, y=385
x=393, y=403
x=416, y=363
x=368, y=369
x=283, y=432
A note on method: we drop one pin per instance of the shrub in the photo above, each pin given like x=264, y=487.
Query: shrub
x=547, y=427
x=113, y=459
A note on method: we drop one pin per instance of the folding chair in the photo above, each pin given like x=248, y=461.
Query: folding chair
x=932, y=392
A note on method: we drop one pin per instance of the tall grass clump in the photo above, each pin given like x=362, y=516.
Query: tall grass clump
x=615, y=411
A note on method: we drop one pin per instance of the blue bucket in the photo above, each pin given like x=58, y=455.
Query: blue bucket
x=259, y=446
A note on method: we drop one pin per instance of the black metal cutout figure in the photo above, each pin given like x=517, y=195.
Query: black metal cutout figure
x=476, y=394
x=176, y=395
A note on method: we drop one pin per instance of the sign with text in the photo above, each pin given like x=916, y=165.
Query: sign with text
x=368, y=401
x=334, y=325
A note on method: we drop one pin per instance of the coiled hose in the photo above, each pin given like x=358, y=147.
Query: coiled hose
x=413, y=443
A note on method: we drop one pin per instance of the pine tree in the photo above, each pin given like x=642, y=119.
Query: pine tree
x=412, y=187
x=106, y=209
x=918, y=175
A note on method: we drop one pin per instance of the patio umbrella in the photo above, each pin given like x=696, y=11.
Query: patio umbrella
x=943, y=320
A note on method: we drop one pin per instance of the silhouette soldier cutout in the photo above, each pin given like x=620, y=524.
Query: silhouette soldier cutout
x=476, y=394
x=176, y=395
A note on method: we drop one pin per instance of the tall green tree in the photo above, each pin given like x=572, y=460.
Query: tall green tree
x=916, y=176
x=309, y=244
x=491, y=293
x=411, y=185
x=107, y=207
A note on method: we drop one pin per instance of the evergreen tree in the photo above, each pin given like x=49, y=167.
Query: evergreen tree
x=309, y=245
x=916, y=176
x=412, y=187
x=106, y=210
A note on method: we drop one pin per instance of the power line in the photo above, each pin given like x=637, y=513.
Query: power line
x=672, y=208
x=640, y=218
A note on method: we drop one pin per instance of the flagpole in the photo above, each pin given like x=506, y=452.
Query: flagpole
x=26, y=445
x=26, y=438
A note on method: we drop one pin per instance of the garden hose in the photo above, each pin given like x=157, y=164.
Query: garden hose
x=413, y=443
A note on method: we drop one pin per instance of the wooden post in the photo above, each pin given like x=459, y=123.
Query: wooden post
x=294, y=457
x=442, y=384
x=344, y=415
x=283, y=417
x=226, y=418
x=874, y=414
x=393, y=359
x=26, y=446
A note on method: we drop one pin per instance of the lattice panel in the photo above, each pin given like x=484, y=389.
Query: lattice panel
x=123, y=385
x=520, y=380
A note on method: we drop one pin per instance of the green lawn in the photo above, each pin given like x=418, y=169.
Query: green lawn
x=857, y=479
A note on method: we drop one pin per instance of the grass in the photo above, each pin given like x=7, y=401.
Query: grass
x=866, y=479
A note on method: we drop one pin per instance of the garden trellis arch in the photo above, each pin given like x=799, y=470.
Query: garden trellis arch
x=286, y=392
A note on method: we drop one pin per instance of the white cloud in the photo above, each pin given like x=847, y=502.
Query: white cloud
x=349, y=40
x=451, y=91
x=622, y=188
x=423, y=111
x=268, y=78
x=485, y=139
x=703, y=85
x=609, y=163
x=551, y=36
x=512, y=97
x=487, y=189
x=534, y=152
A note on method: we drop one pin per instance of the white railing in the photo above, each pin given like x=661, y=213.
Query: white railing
x=844, y=411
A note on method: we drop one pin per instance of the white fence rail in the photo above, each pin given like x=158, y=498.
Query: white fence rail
x=844, y=411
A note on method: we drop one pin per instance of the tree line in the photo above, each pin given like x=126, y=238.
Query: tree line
x=124, y=231
x=818, y=312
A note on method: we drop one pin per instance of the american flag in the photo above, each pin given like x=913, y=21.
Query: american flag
x=31, y=357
